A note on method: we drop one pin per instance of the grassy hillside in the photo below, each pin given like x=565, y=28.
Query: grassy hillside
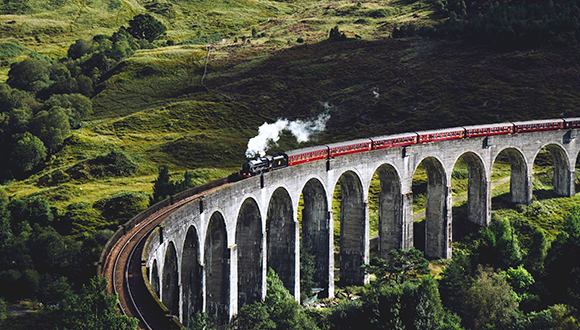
x=268, y=60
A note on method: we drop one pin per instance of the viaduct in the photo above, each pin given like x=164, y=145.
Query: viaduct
x=212, y=253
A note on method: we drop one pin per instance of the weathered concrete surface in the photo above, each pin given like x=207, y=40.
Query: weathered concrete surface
x=254, y=223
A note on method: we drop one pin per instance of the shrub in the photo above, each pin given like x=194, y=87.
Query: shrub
x=30, y=74
x=27, y=151
x=146, y=27
x=120, y=207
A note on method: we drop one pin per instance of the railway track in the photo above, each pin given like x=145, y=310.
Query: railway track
x=123, y=268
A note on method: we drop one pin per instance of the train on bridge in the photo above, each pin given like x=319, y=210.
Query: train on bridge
x=272, y=162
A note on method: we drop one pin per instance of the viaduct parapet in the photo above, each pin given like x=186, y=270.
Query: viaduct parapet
x=213, y=253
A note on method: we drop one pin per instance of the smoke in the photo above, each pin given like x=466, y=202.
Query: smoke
x=271, y=133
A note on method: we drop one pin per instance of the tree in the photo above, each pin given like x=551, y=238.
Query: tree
x=402, y=265
x=537, y=253
x=145, y=26
x=29, y=75
x=278, y=311
x=488, y=301
x=79, y=48
x=78, y=107
x=52, y=127
x=27, y=152
x=562, y=263
x=162, y=187
x=95, y=309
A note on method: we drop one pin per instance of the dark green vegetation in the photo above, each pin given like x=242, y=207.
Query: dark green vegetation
x=99, y=94
x=497, y=285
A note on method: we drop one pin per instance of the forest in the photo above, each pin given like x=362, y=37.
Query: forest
x=119, y=105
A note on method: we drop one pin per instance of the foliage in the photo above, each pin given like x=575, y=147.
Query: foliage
x=146, y=27
x=27, y=151
x=120, y=207
x=307, y=270
x=562, y=263
x=29, y=75
x=52, y=127
x=488, y=301
x=499, y=246
x=402, y=266
x=537, y=252
x=164, y=187
x=408, y=305
x=115, y=163
x=278, y=311
x=78, y=107
x=95, y=309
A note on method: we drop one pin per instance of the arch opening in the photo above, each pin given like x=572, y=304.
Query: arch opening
x=432, y=199
x=313, y=217
x=510, y=165
x=471, y=195
x=191, y=276
x=552, y=175
x=249, y=241
x=281, y=238
x=170, y=289
x=385, y=212
x=154, y=278
x=217, y=270
x=350, y=212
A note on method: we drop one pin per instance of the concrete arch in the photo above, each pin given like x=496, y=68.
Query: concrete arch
x=316, y=233
x=191, y=275
x=217, y=269
x=437, y=210
x=478, y=189
x=563, y=180
x=154, y=278
x=520, y=176
x=170, y=289
x=354, y=231
x=391, y=224
x=249, y=241
x=281, y=231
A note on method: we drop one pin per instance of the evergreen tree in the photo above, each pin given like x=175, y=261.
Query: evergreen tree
x=163, y=187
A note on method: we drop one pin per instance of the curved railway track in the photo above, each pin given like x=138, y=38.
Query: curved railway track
x=123, y=267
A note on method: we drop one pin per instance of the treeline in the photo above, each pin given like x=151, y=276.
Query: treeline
x=41, y=247
x=504, y=24
x=498, y=284
x=43, y=100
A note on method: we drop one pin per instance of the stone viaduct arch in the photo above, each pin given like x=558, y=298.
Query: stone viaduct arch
x=212, y=254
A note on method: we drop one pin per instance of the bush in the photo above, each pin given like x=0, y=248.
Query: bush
x=115, y=163
x=120, y=207
x=27, y=151
x=146, y=27
x=29, y=75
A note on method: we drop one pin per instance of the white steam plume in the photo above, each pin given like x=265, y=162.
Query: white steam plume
x=271, y=132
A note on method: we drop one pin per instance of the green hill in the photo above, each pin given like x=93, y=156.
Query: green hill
x=196, y=96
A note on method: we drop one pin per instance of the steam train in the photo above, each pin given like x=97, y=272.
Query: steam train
x=272, y=162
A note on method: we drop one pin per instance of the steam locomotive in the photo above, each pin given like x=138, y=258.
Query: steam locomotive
x=272, y=162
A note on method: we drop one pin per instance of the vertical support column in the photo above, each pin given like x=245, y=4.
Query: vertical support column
x=407, y=220
x=330, y=252
x=264, y=260
x=564, y=182
x=296, y=259
x=447, y=249
x=233, y=250
x=366, y=240
x=521, y=182
x=438, y=222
